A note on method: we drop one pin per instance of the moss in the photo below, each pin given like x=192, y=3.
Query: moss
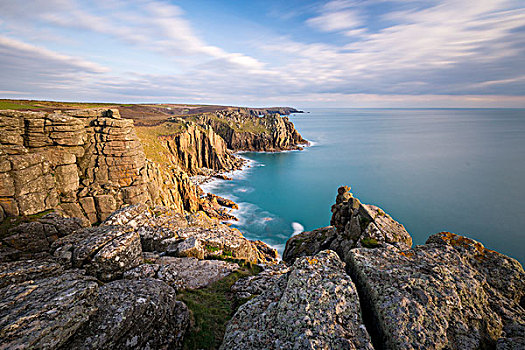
x=370, y=242
x=211, y=308
x=14, y=221
x=211, y=248
x=364, y=222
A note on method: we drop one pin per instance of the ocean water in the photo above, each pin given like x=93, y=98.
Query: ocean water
x=457, y=170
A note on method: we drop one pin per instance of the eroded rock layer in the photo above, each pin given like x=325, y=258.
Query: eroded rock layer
x=85, y=163
x=247, y=132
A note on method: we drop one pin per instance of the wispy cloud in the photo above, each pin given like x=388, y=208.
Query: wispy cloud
x=151, y=50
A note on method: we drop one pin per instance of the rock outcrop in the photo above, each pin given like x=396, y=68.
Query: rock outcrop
x=85, y=163
x=44, y=313
x=34, y=238
x=354, y=225
x=141, y=314
x=314, y=306
x=246, y=132
x=194, y=235
x=450, y=293
x=184, y=273
x=197, y=147
x=105, y=252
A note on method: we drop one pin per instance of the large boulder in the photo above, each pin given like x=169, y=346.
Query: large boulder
x=105, y=252
x=140, y=314
x=354, y=225
x=314, y=306
x=450, y=293
x=193, y=235
x=44, y=313
x=25, y=270
x=250, y=286
x=184, y=273
x=35, y=237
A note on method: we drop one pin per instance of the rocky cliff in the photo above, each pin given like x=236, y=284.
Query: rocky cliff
x=450, y=293
x=84, y=163
x=88, y=163
x=245, y=131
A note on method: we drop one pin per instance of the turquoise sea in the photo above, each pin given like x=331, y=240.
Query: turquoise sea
x=457, y=170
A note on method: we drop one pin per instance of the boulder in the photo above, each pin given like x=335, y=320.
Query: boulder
x=354, y=225
x=37, y=236
x=134, y=314
x=105, y=252
x=250, y=286
x=184, y=273
x=450, y=293
x=44, y=313
x=20, y=271
x=314, y=306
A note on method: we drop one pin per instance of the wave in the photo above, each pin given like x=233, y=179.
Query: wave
x=297, y=228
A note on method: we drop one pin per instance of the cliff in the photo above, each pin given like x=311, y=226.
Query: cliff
x=244, y=131
x=450, y=293
x=84, y=163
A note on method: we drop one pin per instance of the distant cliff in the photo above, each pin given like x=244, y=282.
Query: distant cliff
x=245, y=131
x=88, y=163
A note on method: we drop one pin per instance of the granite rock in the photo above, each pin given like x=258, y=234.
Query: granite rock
x=314, y=306
x=134, y=314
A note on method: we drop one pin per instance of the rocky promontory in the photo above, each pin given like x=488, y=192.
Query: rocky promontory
x=106, y=243
x=248, y=132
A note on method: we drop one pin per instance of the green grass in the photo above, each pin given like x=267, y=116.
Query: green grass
x=150, y=139
x=211, y=308
x=370, y=242
x=14, y=105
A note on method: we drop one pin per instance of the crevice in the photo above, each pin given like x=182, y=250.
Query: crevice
x=368, y=314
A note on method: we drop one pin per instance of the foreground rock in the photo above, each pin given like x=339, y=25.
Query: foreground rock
x=194, y=235
x=250, y=286
x=449, y=293
x=184, y=273
x=142, y=314
x=314, y=306
x=45, y=313
x=105, y=252
x=33, y=239
x=354, y=225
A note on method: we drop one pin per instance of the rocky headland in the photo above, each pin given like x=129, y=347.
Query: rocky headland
x=107, y=243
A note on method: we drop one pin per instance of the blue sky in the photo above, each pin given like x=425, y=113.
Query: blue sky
x=341, y=53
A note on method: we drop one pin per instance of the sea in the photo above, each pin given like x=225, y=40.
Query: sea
x=433, y=170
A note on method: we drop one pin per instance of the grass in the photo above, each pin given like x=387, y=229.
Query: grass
x=370, y=242
x=13, y=221
x=211, y=308
x=149, y=137
x=6, y=104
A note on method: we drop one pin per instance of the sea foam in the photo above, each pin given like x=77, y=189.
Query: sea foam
x=297, y=228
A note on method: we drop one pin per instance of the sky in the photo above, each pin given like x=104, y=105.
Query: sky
x=340, y=53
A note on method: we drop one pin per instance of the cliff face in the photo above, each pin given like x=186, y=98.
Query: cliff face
x=200, y=147
x=244, y=131
x=85, y=163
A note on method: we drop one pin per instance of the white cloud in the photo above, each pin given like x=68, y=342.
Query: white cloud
x=12, y=47
x=336, y=16
x=446, y=48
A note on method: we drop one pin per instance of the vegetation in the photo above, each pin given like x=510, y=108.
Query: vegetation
x=150, y=137
x=211, y=308
x=13, y=221
x=370, y=242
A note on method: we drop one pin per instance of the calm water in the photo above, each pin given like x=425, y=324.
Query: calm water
x=431, y=169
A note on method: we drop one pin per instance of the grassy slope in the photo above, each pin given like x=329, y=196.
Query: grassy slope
x=211, y=309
